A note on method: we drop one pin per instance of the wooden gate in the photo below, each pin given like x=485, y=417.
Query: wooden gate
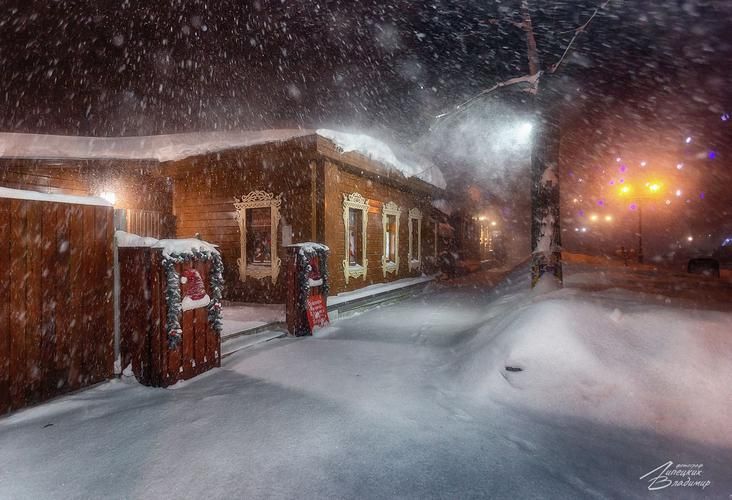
x=56, y=310
x=143, y=335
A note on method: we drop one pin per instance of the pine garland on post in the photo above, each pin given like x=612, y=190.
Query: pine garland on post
x=305, y=253
x=174, y=302
x=173, y=294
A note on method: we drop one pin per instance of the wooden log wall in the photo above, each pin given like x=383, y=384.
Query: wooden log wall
x=56, y=310
x=204, y=204
x=133, y=182
x=340, y=180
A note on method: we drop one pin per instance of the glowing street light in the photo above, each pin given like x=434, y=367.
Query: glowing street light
x=594, y=217
x=608, y=218
x=652, y=188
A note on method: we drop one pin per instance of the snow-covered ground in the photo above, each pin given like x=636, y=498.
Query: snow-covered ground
x=421, y=399
x=239, y=317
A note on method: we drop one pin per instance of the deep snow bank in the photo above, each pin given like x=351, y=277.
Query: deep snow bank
x=608, y=359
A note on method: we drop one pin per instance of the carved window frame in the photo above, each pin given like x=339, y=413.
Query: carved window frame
x=415, y=263
x=357, y=202
x=390, y=208
x=258, y=199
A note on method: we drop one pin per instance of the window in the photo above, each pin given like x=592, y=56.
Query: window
x=355, y=236
x=355, y=217
x=259, y=236
x=258, y=214
x=390, y=217
x=415, y=239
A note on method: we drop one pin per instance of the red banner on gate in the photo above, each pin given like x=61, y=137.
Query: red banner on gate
x=317, y=312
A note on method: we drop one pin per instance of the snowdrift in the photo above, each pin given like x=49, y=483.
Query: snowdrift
x=647, y=367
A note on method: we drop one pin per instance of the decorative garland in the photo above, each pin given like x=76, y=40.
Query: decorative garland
x=305, y=253
x=173, y=295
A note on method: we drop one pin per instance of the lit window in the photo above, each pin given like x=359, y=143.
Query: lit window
x=259, y=236
x=355, y=218
x=390, y=214
x=415, y=239
x=258, y=214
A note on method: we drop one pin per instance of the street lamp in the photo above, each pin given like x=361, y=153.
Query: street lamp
x=652, y=188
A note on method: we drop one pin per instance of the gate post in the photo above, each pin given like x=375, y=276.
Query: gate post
x=307, y=288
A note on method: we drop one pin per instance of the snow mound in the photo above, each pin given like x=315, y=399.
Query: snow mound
x=654, y=368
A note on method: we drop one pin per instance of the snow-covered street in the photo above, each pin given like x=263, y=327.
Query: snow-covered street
x=419, y=399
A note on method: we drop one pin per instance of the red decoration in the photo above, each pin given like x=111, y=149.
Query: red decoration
x=314, y=268
x=317, y=311
x=194, y=287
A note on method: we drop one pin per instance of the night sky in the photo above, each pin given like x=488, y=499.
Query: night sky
x=642, y=78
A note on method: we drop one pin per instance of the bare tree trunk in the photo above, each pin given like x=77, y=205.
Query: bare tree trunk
x=546, y=256
x=546, y=236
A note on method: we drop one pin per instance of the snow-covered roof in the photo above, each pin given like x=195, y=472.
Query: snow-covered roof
x=20, y=194
x=172, y=147
x=408, y=164
x=443, y=206
x=161, y=148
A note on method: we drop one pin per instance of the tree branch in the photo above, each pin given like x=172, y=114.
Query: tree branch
x=577, y=32
x=532, y=80
x=534, y=72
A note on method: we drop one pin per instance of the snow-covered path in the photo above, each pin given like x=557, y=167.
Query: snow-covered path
x=385, y=404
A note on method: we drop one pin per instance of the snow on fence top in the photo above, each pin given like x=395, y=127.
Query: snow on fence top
x=174, y=147
x=169, y=246
x=20, y=194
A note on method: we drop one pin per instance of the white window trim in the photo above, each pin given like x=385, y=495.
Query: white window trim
x=258, y=199
x=415, y=262
x=390, y=208
x=357, y=202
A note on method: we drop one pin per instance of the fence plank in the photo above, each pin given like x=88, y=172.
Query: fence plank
x=63, y=291
x=34, y=290
x=102, y=335
x=18, y=318
x=49, y=266
x=186, y=351
x=87, y=336
x=77, y=296
x=108, y=243
x=5, y=305
x=159, y=365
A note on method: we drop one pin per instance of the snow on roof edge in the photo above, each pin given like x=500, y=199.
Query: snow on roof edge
x=22, y=194
x=379, y=151
x=173, y=147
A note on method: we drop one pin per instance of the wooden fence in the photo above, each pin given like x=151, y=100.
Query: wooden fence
x=56, y=310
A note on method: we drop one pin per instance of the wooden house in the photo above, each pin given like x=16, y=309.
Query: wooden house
x=251, y=193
